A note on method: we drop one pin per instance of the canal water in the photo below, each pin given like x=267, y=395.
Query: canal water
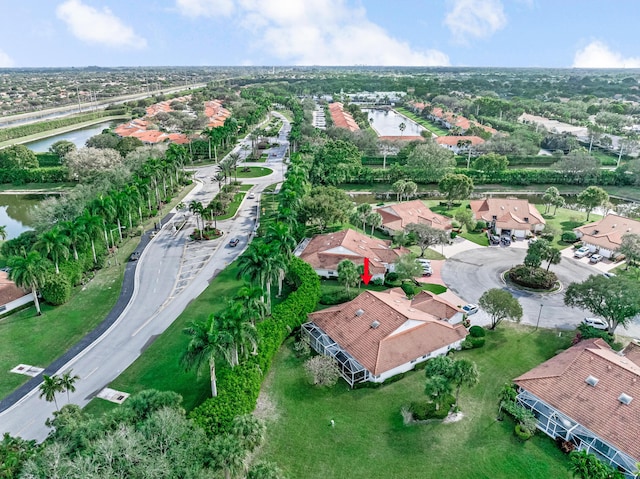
x=78, y=137
x=387, y=122
x=17, y=212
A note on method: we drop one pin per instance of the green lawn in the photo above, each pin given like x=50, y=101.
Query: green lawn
x=369, y=439
x=254, y=172
x=566, y=220
x=478, y=238
x=233, y=207
x=158, y=367
x=429, y=253
x=432, y=127
x=38, y=340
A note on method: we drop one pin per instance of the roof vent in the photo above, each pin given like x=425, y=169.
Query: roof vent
x=595, y=232
x=628, y=230
x=515, y=208
x=614, y=225
x=591, y=380
x=360, y=312
x=526, y=219
x=375, y=324
x=502, y=207
x=625, y=398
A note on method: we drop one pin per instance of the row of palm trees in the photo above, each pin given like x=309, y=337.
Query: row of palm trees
x=231, y=334
x=53, y=385
x=109, y=212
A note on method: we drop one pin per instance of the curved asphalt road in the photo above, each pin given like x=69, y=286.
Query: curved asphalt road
x=471, y=273
x=158, y=295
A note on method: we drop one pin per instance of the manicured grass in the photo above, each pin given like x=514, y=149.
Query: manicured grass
x=477, y=238
x=38, y=188
x=38, y=340
x=432, y=127
x=254, y=172
x=329, y=286
x=566, y=220
x=429, y=253
x=233, y=207
x=434, y=288
x=245, y=187
x=369, y=439
x=159, y=368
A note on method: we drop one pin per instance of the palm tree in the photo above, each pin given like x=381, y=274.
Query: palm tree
x=49, y=388
x=228, y=453
x=437, y=387
x=361, y=213
x=68, y=383
x=237, y=332
x=92, y=225
x=197, y=209
x=234, y=160
x=402, y=126
x=375, y=220
x=202, y=349
x=28, y=272
x=465, y=373
x=103, y=206
x=53, y=245
x=3, y=233
x=219, y=177
x=75, y=231
x=216, y=208
x=252, y=300
x=280, y=234
x=122, y=205
x=256, y=264
x=249, y=429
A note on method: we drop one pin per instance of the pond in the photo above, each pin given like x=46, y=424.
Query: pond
x=386, y=122
x=78, y=137
x=17, y=212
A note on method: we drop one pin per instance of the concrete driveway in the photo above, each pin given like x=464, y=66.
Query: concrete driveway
x=470, y=273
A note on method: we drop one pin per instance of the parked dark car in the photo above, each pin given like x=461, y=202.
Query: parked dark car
x=494, y=239
x=135, y=256
x=505, y=240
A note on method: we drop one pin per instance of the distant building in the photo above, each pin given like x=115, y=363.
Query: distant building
x=509, y=216
x=605, y=236
x=341, y=118
x=381, y=334
x=396, y=217
x=458, y=144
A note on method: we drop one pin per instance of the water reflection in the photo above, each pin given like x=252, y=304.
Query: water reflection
x=387, y=122
x=78, y=137
x=17, y=211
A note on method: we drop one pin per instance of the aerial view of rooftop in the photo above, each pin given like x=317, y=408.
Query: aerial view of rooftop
x=321, y=239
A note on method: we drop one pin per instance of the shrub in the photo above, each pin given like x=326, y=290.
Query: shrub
x=481, y=225
x=534, y=278
x=338, y=297
x=56, y=289
x=472, y=343
x=423, y=410
x=409, y=289
x=477, y=332
x=569, y=237
x=378, y=282
x=73, y=270
x=587, y=332
x=522, y=434
x=391, y=276
x=322, y=371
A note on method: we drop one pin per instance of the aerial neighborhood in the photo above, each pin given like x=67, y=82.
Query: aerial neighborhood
x=331, y=266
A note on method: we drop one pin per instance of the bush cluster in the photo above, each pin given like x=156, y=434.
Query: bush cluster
x=534, y=278
x=477, y=332
x=472, y=342
x=569, y=237
x=238, y=388
x=56, y=289
x=338, y=297
x=50, y=174
x=423, y=410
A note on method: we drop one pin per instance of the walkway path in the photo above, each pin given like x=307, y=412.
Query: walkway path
x=172, y=272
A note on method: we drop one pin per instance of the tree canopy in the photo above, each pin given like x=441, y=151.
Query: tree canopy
x=432, y=161
x=500, y=305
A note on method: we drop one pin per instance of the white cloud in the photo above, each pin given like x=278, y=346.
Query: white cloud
x=5, y=60
x=205, y=8
x=97, y=26
x=324, y=32
x=475, y=18
x=599, y=55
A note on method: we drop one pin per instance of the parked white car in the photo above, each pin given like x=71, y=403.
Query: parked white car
x=581, y=252
x=596, y=258
x=470, y=308
x=597, y=323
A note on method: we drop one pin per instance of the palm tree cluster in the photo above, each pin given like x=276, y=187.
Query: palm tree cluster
x=364, y=215
x=222, y=136
x=53, y=385
x=117, y=209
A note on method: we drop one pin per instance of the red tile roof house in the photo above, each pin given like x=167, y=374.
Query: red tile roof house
x=341, y=118
x=605, y=236
x=325, y=252
x=455, y=143
x=508, y=216
x=589, y=395
x=381, y=334
x=396, y=217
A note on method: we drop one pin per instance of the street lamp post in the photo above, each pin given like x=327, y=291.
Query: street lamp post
x=539, y=314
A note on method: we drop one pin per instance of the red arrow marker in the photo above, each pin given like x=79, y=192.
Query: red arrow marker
x=366, y=277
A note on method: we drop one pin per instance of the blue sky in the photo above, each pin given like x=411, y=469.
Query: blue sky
x=485, y=33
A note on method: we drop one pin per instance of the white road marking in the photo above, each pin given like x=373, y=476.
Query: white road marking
x=91, y=372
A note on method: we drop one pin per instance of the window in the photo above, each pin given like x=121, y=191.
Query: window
x=494, y=217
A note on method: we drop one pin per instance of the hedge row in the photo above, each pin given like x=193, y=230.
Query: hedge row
x=49, y=174
x=238, y=388
x=33, y=128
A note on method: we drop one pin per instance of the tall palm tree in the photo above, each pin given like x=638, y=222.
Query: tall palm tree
x=280, y=234
x=216, y=208
x=252, y=300
x=77, y=234
x=92, y=225
x=122, y=205
x=465, y=373
x=68, y=383
x=204, y=346
x=49, y=388
x=256, y=264
x=229, y=454
x=375, y=220
x=103, y=206
x=53, y=245
x=3, y=233
x=237, y=331
x=197, y=209
x=28, y=272
x=234, y=161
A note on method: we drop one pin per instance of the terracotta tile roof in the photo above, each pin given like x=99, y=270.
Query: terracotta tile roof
x=328, y=250
x=453, y=140
x=459, y=121
x=407, y=329
x=8, y=289
x=150, y=136
x=608, y=232
x=341, y=118
x=510, y=212
x=396, y=217
x=560, y=382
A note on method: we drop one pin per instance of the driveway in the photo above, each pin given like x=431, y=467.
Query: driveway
x=471, y=273
x=458, y=245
